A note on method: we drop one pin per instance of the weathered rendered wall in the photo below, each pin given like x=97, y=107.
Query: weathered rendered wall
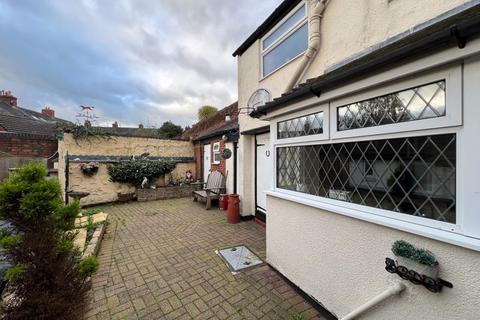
x=342, y=263
x=99, y=186
x=124, y=146
x=348, y=27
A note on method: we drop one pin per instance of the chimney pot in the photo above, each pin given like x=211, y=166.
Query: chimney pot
x=8, y=98
x=115, y=124
x=49, y=112
x=140, y=126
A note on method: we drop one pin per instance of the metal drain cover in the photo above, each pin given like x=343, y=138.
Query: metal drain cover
x=239, y=258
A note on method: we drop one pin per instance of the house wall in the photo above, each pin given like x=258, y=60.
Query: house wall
x=226, y=166
x=340, y=261
x=100, y=188
x=27, y=146
x=347, y=28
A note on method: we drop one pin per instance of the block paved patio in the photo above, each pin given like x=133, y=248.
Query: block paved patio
x=158, y=262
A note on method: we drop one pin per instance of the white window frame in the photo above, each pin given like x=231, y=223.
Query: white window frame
x=216, y=152
x=451, y=123
x=453, y=115
x=283, y=37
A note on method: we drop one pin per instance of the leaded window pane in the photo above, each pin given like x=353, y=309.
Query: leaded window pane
x=414, y=175
x=301, y=126
x=418, y=103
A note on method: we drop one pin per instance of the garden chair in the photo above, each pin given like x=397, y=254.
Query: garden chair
x=213, y=188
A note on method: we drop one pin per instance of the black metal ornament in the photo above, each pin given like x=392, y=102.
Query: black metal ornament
x=433, y=285
x=226, y=153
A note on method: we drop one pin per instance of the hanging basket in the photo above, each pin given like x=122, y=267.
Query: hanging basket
x=89, y=169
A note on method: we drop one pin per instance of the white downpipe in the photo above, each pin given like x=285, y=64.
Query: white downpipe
x=313, y=43
x=392, y=291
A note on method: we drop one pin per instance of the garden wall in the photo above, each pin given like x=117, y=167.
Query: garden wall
x=110, y=150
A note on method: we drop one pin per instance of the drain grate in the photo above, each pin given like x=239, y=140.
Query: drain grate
x=239, y=258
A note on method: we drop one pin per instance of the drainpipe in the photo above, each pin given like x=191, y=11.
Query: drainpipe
x=392, y=291
x=313, y=43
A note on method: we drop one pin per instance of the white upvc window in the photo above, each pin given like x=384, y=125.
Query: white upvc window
x=216, y=153
x=390, y=155
x=287, y=41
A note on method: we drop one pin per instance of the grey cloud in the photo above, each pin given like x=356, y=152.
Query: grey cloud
x=136, y=60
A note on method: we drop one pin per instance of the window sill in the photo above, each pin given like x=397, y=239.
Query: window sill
x=433, y=233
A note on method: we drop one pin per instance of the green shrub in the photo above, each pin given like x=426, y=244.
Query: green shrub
x=91, y=211
x=425, y=257
x=15, y=273
x=88, y=266
x=403, y=249
x=45, y=277
x=133, y=171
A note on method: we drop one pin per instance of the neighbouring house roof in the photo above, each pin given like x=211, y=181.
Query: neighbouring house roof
x=230, y=128
x=217, y=121
x=453, y=28
x=278, y=14
x=23, y=121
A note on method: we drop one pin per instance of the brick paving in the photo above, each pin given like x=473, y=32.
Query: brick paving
x=158, y=262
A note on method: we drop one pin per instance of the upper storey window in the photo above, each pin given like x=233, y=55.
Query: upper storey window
x=285, y=42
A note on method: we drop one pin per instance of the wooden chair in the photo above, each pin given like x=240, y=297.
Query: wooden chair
x=213, y=188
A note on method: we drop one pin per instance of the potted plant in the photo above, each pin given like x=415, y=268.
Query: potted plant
x=89, y=169
x=421, y=261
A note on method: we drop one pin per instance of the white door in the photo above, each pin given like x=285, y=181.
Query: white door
x=264, y=163
x=206, y=161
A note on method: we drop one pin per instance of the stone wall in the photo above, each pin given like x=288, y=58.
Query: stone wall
x=166, y=192
x=101, y=189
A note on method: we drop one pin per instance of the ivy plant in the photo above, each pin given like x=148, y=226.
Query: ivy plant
x=134, y=171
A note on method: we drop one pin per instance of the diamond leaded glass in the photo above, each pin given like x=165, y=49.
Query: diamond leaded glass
x=301, y=126
x=424, y=102
x=414, y=175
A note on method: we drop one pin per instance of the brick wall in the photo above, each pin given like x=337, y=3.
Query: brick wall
x=27, y=146
x=198, y=154
x=221, y=166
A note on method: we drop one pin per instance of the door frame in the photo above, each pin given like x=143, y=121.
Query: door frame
x=203, y=160
x=260, y=213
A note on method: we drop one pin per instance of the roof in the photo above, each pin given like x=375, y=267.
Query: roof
x=214, y=122
x=230, y=127
x=24, y=121
x=278, y=14
x=453, y=28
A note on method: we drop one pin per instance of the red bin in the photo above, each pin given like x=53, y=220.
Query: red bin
x=223, y=202
x=233, y=211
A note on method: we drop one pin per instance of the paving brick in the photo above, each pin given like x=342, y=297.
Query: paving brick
x=163, y=266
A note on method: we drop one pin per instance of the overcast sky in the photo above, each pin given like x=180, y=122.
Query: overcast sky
x=136, y=61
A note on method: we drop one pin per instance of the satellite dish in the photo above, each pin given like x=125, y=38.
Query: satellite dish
x=259, y=98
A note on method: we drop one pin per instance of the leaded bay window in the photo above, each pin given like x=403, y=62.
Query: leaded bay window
x=423, y=102
x=386, y=154
x=413, y=175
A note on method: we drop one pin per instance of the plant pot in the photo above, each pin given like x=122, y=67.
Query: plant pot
x=429, y=271
x=125, y=197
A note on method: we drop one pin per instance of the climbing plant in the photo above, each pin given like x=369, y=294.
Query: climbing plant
x=134, y=171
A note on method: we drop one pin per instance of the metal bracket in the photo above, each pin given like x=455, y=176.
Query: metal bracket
x=461, y=41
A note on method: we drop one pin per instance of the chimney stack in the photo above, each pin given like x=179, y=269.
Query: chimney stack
x=8, y=98
x=49, y=112
x=140, y=126
x=115, y=124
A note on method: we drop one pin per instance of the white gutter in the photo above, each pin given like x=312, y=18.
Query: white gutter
x=313, y=43
x=392, y=291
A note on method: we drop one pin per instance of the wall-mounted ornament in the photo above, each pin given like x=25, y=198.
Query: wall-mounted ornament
x=419, y=266
x=226, y=153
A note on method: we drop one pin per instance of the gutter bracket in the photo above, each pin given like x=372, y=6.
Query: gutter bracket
x=461, y=41
x=316, y=93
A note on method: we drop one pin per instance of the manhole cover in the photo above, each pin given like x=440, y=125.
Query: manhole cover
x=239, y=258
